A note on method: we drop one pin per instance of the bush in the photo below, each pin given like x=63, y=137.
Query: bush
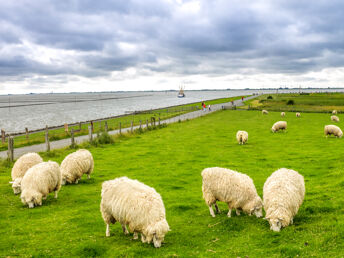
x=104, y=138
x=269, y=97
x=290, y=102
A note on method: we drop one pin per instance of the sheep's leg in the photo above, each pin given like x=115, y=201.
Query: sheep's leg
x=76, y=181
x=88, y=176
x=217, y=208
x=143, y=238
x=44, y=197
x=211, y=211
x=107, y=233
x=125, y=230
x=229, y=211
x=56, y=192
x=237, y=212
x=291, y=221
x=136, y=235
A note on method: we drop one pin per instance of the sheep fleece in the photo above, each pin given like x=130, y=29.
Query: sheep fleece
x=333, y=129
x=279, y=126
x=242, y=137
x=24, y=163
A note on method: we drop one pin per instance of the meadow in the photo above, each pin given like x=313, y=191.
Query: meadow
x=171, y=160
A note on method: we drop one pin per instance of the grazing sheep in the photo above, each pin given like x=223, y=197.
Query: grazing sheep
x=280, y=125
x=265, y=112
x=335, y=118
x=234, y=188
x=39, y=181
x=283, y=194
x=20, y=167
x=298, y=114
x=242, y=137
x=334, y=112
x=282, y=114
x=75, y=165
x=137, y=205
x=333, y=129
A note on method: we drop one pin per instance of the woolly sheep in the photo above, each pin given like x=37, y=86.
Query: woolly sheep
x=283, y=194
x=333, y=129
x=137, y=205
x=75, y=165
x=280, y=125
x=39, y=181
x=20, y=167
x=234, y=188
x=242, y=137
x=282, y=114
x=265, y=112
x=298, y=114
x=334, y=112
x=335, y=118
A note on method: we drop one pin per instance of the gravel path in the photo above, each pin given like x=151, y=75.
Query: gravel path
x=66, y=142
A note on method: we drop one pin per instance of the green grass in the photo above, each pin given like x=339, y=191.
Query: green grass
x=171, y=160
x=306, y=102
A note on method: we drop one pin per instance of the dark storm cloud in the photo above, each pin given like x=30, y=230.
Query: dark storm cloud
x=219, y=38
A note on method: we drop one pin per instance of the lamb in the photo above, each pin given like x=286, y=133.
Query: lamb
x=265, y=112
x=75, y=165
x=137, y=205
x=283, y=194
x=334, y=112
x=242, y=137
x=280, y=125
x=298, y=114
x=20, y=167
x=282, y=114
x=335, y=118
x=234, y=188
x=39, y=181
x=333, y=129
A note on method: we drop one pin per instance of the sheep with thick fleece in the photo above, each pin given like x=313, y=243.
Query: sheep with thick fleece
x=333, y=129
x=282, y=114
x=334, y=112
x=21, y=166
x=280, y=125
x=137, y=205
x=75, y=165
x=39, y=181
x=283, y=194
x=234, y=188
x=242, y=137
x=265, y=112
x=298, y=114
x=335, y=118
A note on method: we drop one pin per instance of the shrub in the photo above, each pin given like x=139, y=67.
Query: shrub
x=269, y=97
x=104, y=138
x=290, y=102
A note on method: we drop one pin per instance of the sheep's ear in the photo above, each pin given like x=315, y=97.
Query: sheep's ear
x=169, y=229
x=265, y=219
x=11, y=182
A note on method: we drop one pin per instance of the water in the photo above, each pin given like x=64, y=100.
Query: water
x=38, y=110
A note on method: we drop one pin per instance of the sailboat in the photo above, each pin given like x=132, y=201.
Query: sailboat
x=181, y=93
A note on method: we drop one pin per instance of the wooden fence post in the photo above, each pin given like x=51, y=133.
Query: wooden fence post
x=146, y=123
x=140, y=124
x=66, y=128
x=90, y=135
x=159, y=119
x=27, y=133
x=120, y=128
x=79, y=126
x=47, y=144
x=3, y=136
x=106, y=126
x=132, y=125
x=92, y=125
x=10, y=148
x=72, y=138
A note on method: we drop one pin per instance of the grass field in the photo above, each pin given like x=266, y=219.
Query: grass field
x=306, y=102
x=171, y=160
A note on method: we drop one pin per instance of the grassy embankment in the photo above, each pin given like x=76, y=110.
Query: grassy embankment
x=171, y=160
x=113, y=124
x=306, y=102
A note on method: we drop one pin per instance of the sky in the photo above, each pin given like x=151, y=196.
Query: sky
x=72, y=45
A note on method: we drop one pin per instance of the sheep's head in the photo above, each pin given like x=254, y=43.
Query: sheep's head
x=340, y=134
x=157, y=232
x=275, y=224
x=31, y=199
x=64, y=181
x=257, y=207
x=16, y=185
x=273, y=129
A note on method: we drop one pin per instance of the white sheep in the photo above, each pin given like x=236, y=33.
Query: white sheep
x=335, y=118
x=333, y=129
x=283, y=194
x=242, y=137
x=39, y=181
x=75, y=165
x=334, y=112
x=20, y=167
x=298, y=114
x=280, y=125
x=137, y=205
x=282, y=114
x=234, y=188
x=265, y=112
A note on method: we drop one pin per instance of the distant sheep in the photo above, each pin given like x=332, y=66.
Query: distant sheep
x=282, y=114
x=75, y=165
x=39, y=181
x=333, y=129
x=334, y=112
x=280, y=125
x=234, y=188
x=335, y=118
x=298, y=114
x=242, y=137
x=283, y=194
x=137, y=205
x=20, y=167
x=265, y=112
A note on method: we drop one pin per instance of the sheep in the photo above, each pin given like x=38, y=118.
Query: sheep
x=282, y=114
x=234, y=188
x=335, y=118
x=334, y=112
x=265, y=112
x=39, y=181
x=242, y=137
x=280, y=125
x=283, y=194
x=333, y=129
x=298, y=114
x=75, y=165
x=137, y=205
x=20, y=167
